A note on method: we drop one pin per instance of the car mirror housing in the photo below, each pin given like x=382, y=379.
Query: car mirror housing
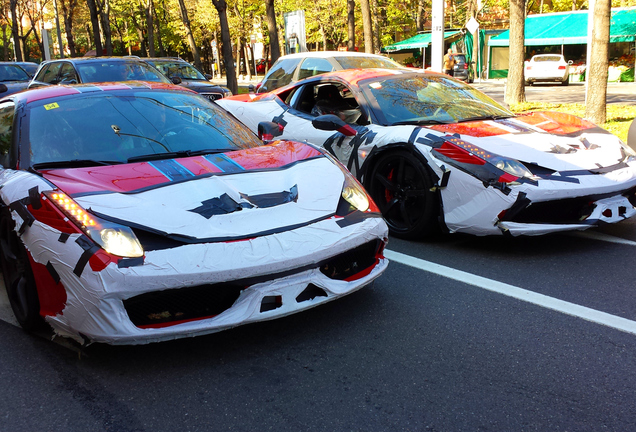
x=175, y=80
x=208, y=77
x=3, y=88
x=331, y=122
x=268, y=130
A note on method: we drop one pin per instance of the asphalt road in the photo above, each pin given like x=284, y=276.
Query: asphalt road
x=471, y=334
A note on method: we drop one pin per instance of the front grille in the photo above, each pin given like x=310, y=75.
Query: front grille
x=566, y=211
x=347, y=264
x=160, y=308
x=212, y=96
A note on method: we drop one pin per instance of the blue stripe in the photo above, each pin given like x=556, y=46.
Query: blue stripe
x=172, y=169
x=224, y=163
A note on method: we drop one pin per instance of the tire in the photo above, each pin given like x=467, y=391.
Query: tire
x=401, y=187
x=18, y=276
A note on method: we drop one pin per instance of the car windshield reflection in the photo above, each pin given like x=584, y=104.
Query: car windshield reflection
x=145, y=126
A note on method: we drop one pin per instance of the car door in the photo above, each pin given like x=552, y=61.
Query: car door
x=47, y=75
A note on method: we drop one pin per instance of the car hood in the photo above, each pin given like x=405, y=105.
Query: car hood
x=219, y=197
x=557, y=141
x=200, y=86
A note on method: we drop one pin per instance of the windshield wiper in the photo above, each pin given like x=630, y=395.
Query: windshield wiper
x=419, y=122
x=74, y=163
x=485, y=117
x=176, y=154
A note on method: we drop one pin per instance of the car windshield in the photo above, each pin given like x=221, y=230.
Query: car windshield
x=13, y=73
x=430, y=99
x=131, y=126
x=179, y=69
x=359, y=62
x=105, y=71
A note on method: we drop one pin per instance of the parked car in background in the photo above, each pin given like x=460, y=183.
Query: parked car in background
x=140, y=213
x=30, y=67
x=547, y=68
x=13, y=78
x=95, y=69
x=437, y=154
x=463, y=69
x=293, y=67
x=184, y=74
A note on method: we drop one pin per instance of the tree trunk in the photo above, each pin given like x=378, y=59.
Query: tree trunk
x=367, y=26
x=421, y=16
x=274, y=43
x=324, y=37
x=150, y=28
x=351, y=25
x=595, y=104
x=67, y=15
x=230, y=71
x=376, y=26
x=188, y=30
x=15, y=31
x=92, y=7
x=248, y=62
x=515, y=86
x=162, y=51
x=5, y=45
x=104, y=16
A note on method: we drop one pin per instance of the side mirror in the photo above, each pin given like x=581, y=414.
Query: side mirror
x=3, y=88
x=175, y=80
x=330, y=122
x=268, y=130
x=208, y=77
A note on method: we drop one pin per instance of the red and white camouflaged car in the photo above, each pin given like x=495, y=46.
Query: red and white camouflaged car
x=436, y=153
x=138, y=212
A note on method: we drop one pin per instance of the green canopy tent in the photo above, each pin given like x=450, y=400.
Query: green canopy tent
x=418, y=42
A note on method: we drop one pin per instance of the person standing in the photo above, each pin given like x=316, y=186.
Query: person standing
x=449, y=62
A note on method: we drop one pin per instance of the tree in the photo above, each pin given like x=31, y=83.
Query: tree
x=274, y=44
x=92, y=7
x=226, y=48
x=367, y=26
x=515, y=86
x=595, y=104
x=351, y=25
x=68, y=12
x=188, y=30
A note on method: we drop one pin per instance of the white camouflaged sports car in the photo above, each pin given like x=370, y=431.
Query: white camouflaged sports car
x=436, y=153
x=137, y=212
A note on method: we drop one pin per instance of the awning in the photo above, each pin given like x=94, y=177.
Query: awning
x=568, y=28
x=419, y=41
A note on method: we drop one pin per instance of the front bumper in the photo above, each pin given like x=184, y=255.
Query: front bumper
x=281, y=272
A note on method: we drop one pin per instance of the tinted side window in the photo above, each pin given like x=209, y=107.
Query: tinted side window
x=49, y=73
x=314, y=66
x=68, y=74
x=6, y=132
x=279, y=75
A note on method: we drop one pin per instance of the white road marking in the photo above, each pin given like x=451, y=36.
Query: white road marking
x=568, y=308
x=595, y=235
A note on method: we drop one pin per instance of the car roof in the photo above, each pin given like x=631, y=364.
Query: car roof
x=326, y=54
x=354, y=76
x=53, y=92
x=93, y=59
x=164, y=59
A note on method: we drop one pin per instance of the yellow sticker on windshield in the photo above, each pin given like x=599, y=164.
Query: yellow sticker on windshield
x=51, y=106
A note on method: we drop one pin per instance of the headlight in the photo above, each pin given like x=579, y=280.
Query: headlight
x=512, y=167
x=353, y=193
x=113, y=238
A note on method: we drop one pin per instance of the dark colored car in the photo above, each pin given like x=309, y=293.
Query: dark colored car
x=95, y=69
x=12, y=78
x=294, y=67
x=462, y=69
x=30, y=67
x=184, y=74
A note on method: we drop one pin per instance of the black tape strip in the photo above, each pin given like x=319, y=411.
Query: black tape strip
x=34, y=198
x=216, y=206
x=413, y=135
x=20, y=208
x=273, y=199
x=521, y=203
x=130, y=262
x=445, y=178
x=89, y=250
x=53, y=273
x=63, y=237
x=354, y=218
x=279, y=119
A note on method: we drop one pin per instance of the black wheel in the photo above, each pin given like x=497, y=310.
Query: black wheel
x=18, y=276
x=401, y=187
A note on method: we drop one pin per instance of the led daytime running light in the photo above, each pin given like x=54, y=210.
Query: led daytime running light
x=72, y=210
